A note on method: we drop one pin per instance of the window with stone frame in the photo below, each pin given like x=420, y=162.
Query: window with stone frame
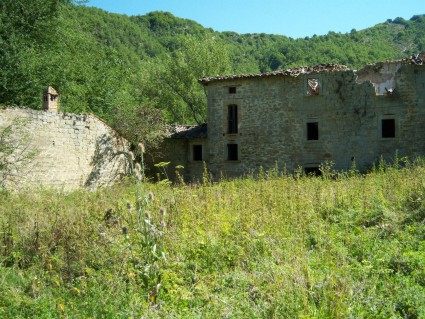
x=232, y=119
x=313, y=87
x=388, y=128
x=312, y=131
x=232, y=152
x=197, y=152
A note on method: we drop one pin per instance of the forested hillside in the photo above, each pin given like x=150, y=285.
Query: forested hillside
x=102, y=62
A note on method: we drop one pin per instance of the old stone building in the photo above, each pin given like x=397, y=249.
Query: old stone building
x=306, y=116
x=61, y=150
x=184, y=149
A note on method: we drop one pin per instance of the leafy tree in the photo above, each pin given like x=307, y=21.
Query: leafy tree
x=141, y=124
x=174, y=79
x=45, y=44
x=26, y=29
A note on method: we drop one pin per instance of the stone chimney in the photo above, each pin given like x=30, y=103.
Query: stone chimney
x=51, y=100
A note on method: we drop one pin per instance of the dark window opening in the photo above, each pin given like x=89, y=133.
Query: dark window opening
x=312, y=171
x=232, y=119
x=232, y=90
x=312, y=131
x=388, y=128
x=232, y=152
x=197, y=152
x=313, y=87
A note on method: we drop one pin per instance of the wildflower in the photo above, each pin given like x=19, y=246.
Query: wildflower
x=138, y=176
x=138, y=167
x=162, y=213
x=142, y=147
x=131, y=156
x=151, y=196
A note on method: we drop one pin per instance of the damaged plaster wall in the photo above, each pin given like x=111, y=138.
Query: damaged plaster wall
x=62, y=150
x=382, y=75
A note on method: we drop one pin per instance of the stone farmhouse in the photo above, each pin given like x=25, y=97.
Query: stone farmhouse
x=306, y=116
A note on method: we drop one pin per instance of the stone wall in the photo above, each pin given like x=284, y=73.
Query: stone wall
x=178, y=152
x=62, y=150
x=274, y=112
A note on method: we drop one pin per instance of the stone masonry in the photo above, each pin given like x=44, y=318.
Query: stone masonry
x=300, y=119
x=184, y=149
x=307, y=116
x=62, y=150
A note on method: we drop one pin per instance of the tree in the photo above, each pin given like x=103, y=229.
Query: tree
x=27, y=28
x=140, y=124
x=174, y=79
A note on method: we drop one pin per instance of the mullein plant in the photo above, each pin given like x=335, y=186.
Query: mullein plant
x=144, y=234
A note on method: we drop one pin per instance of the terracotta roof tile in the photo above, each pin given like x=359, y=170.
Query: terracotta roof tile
x=290, y=72
x=418, y=59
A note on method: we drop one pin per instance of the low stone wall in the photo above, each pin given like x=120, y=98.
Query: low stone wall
x=61, y=150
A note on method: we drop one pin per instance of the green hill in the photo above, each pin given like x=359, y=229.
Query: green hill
x=100, y=61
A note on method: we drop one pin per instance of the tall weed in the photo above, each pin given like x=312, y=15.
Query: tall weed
x=269, y=246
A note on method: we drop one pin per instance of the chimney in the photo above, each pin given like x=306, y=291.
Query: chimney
x=51, y=100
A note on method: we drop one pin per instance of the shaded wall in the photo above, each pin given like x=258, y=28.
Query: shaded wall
x=179, y=154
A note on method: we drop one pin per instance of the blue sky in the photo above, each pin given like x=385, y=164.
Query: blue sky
x=294, y=18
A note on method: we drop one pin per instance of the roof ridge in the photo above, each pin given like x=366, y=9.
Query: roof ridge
x=328, y=67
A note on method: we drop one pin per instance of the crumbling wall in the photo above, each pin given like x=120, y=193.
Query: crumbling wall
x=66, y=150
x=382, y=75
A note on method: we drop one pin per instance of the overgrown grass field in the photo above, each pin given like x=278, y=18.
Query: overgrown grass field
x=273, y=246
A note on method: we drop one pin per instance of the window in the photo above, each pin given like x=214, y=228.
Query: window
x=313, y=87
x=388, y=128
x=232, y=90
x=232, y=152
x=312, y=131
x=197, y=152
x=232, y=119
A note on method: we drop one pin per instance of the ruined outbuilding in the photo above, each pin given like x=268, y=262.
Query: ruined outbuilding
x=306, y=116
x=61, y=150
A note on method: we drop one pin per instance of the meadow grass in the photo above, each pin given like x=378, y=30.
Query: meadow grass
x=270, y=246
